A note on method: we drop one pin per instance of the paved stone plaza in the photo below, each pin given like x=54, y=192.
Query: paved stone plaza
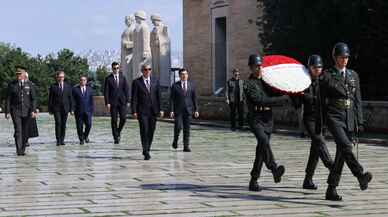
x=103, y=179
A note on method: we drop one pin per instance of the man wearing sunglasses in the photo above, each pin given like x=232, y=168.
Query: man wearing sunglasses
x=145, y=102
x=116, y=94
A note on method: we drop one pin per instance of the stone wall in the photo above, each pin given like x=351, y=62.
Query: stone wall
x=197, y=43
x=242, y=37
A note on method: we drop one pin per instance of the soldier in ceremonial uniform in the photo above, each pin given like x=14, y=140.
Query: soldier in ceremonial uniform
x=313, y=120
x=260, y=99
x=21, y=105
x=340, y=89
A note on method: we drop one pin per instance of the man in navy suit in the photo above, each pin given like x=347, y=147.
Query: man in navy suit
x=116, y=94
x=183, y=103
x=83, y=108
x=145, y=104
x=59, y=105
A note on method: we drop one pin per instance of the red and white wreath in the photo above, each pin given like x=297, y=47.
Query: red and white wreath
x=285, y=74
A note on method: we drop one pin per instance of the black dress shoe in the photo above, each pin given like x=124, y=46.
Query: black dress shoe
x=27, y=144
x=278, y=173
x=309, y=184
x=147, y=156
x=21, y=153
x=116, y=141
x=81, y=142
x=87, y=140
x=174, y=145
x=253, y=185
x=364, y=179
x=58, y=143
x=186, y=149
x=63, y=143
x=331, y=194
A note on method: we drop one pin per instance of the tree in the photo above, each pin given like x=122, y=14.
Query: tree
x=41, y=70
x=299, y=28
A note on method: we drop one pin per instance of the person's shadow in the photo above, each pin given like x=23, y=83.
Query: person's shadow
x=239, y=192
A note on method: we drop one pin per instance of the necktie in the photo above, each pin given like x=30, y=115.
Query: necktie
x=83, y=90
x=148, y=85
x=61, y=86
x=117, y=80
x=185, y=86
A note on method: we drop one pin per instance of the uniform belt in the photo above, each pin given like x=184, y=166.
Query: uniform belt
x=341, y=103
x=261, y=108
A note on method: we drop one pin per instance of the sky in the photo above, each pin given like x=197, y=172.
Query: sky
x=46, y=26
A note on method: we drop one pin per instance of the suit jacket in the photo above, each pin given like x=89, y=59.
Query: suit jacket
x=116, y=95
x=83, y=103
x=231, y=88
x=21, y=100
x=144, y=102
x=59, y=99
x=181, y=102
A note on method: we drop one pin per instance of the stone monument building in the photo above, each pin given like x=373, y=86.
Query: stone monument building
x=218, y=35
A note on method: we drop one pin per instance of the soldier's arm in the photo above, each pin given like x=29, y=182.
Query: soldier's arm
x=321, y=108
x=34, y=98
x=257, y=96
x=358, y=101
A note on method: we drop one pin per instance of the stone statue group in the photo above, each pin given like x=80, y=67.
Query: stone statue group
x=139, y=46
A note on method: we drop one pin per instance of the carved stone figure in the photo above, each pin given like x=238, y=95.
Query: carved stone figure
x=161, y=51
x=127, y=45
x=142, y=50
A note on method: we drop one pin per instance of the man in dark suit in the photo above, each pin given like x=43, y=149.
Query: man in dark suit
x=183, y=103
x=59, y=105
x=116, y=93
x=83, y=108
x=21, y=104
x=145, y=104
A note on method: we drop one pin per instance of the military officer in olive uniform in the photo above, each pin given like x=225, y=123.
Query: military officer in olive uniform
x=340, y=89
x=259, y=99
x=21, y=105
x=312, y=120
x=234, y=94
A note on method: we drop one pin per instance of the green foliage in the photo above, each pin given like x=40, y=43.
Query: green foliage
x=299, y=28
x=41, y=70
x=101, y=73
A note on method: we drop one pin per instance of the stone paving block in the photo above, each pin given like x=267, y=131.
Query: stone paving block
x=104, y=179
